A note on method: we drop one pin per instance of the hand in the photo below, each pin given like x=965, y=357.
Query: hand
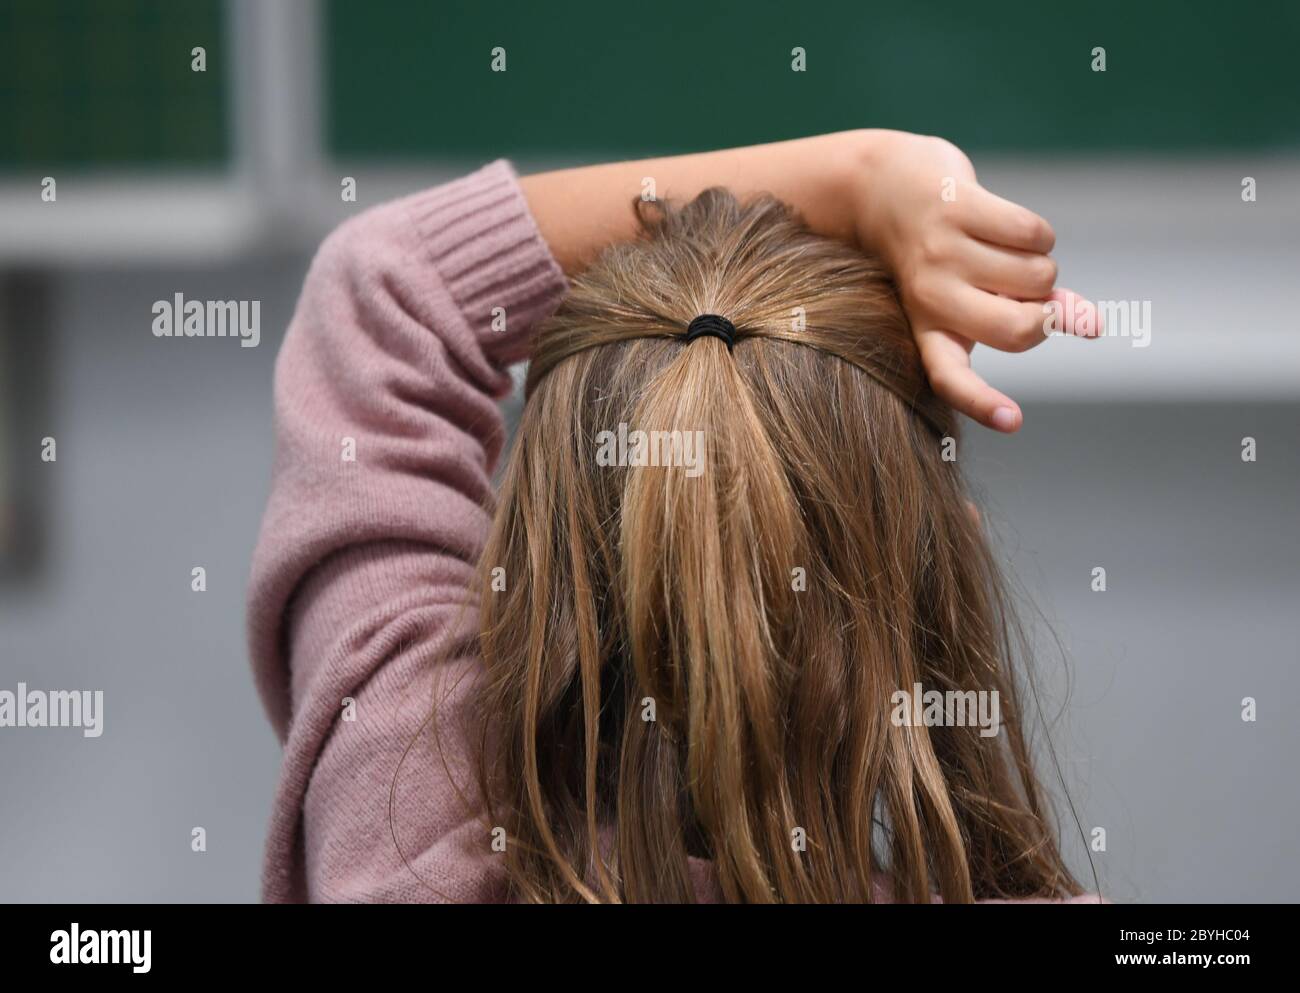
x=970, y=266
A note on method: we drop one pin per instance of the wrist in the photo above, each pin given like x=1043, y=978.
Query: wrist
x=865, y=156
x=826, y=183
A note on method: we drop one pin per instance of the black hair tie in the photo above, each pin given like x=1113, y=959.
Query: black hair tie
x=711, y=325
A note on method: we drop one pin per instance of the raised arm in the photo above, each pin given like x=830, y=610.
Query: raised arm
x=971, y=267
x=387, y=429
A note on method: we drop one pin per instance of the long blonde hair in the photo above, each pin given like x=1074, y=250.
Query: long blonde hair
x=705, y=663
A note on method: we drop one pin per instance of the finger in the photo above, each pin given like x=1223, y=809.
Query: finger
x=990, y=218
x=1072, y=314
x=999, y=322
x=1008, y=271
x=946, y=358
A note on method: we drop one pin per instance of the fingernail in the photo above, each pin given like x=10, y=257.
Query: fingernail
x=1004, y=419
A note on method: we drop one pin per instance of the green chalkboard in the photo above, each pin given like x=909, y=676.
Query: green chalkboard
x=412, y=78
x=109, y=84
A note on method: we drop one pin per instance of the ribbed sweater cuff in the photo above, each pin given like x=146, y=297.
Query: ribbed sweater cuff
x=483, y=240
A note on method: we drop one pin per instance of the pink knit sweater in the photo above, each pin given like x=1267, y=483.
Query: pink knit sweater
x=387, y=424
x=362, y=564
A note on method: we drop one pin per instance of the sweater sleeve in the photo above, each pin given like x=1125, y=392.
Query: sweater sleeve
x=387, y=431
